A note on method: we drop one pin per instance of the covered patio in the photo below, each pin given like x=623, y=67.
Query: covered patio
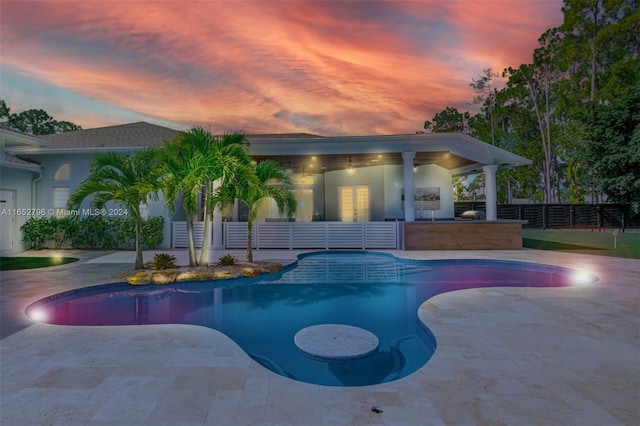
x=351, y=194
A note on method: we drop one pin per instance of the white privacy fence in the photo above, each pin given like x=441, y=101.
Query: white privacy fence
x=299, y=235
x=180, y=238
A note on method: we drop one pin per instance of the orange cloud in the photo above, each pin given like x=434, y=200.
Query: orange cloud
x=305, y=66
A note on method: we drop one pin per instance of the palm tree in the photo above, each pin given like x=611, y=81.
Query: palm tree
x=190, y=164
x=271, y=181
x=228, y=161
x=127, y=180
x=179, y=176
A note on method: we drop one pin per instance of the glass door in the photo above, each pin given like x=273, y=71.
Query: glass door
x=354, y=203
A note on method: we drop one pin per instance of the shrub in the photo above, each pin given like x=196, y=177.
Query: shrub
x=162, y=261
x=95, y=232
x=227, y=260
x=152, y=232
x=36, y=231
x=92, y=232
x=62, y=230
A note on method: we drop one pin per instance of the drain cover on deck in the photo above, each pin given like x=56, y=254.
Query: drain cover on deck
x=335, y=342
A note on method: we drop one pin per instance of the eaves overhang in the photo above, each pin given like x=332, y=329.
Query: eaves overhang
x=471, y=153
x=12, y=138
x=35, y=168
x=26, y=152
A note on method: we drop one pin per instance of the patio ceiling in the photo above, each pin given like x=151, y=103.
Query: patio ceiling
x=459, y=154
x=314, y=164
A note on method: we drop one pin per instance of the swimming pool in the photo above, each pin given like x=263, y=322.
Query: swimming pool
x=373, y=291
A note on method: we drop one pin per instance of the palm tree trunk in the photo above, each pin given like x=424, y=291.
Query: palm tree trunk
x=207, y=217
x=139, y=264
x=192, y=244
x=249, y=255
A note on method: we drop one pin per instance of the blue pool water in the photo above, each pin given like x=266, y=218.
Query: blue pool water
x=374, y=291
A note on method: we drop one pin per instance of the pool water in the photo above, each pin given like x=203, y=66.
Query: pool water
x=374, y=291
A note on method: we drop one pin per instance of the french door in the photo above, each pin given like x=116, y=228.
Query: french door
x=354, y=203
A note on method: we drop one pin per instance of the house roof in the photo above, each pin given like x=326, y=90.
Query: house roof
x=9, y=139
x=282, y=136
x=14, y=162
x=133, y=135
x=302, y=152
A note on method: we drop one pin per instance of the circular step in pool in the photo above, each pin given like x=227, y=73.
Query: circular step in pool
x=335, y=342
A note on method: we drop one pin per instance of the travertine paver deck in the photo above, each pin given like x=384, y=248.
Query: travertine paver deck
x=512, y=356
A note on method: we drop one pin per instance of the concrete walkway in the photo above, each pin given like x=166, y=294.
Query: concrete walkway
x=507, y=356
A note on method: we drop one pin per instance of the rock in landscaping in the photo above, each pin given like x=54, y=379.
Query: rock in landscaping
x=195, y=276
x=139, y=278
x=251, y=272
x=163, y=277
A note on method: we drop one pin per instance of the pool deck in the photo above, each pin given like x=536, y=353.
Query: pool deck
x=505, y=356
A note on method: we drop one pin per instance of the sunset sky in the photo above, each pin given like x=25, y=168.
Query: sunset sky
x=323, y=67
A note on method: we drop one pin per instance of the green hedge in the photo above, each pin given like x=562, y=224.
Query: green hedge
x=93, y=232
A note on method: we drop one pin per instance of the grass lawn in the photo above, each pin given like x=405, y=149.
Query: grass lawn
x=584, y=242
x=11, y=263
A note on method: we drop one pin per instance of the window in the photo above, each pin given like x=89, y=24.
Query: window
x=63, y=173
x=60, y=198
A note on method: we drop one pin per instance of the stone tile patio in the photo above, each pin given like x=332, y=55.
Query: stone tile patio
x=505, y=356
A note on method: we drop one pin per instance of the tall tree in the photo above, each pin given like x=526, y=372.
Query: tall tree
x=272, y=182
x=127, y=180
x=612, y=152
x=449, y=120
x=34, y=121
x=532, y=88
x=66, y=126
x=596, y=35
x=486, y=95
x=475, y=188
x=599, y=53
x=5, y=112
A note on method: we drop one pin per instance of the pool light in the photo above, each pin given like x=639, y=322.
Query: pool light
x=38, y=315
x=583, y=278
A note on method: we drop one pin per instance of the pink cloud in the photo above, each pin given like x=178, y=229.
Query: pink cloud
x=322, y=67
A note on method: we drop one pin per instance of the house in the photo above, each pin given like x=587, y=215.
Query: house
x=350, y=189
x=18, y=179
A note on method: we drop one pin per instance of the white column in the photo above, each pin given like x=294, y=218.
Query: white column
x=409, y=187
x=216, y=242
x=491, y=191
